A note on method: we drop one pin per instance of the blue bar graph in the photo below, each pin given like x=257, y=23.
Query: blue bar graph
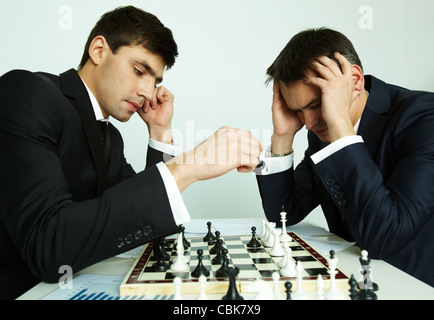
x=85, y=294
x=97, y=287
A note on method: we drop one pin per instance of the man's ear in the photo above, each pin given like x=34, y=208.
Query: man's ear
x=98, y=49
x=358, y=80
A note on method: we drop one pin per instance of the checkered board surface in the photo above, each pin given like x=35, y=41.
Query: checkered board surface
x=253, y=263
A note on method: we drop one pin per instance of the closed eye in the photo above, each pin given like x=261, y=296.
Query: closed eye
x=138, y=72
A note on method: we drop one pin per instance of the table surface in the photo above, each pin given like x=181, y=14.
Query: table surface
x=394, y=284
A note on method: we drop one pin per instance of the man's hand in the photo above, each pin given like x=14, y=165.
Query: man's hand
x=225, y=150
x=285, y=123
x=157, y=114
x=337, y=94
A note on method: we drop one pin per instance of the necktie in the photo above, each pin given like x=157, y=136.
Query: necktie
x=103, y=128
x=105, y=138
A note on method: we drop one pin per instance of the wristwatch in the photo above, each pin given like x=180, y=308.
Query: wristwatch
x=269, y=154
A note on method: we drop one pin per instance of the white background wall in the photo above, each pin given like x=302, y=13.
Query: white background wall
x=225, y=47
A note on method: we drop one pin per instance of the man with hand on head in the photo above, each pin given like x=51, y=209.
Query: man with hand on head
x=67, y=194
x=370, y=157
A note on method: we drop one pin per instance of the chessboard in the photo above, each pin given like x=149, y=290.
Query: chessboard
x=253, y=263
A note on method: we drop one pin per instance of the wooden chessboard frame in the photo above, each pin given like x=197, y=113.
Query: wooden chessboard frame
x=132, y=285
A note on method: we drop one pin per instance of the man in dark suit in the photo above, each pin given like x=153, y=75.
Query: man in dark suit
x=67, y=194
x=370, y=157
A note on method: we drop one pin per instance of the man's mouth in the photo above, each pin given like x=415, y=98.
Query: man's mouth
x=320, y=131
x=134, y=106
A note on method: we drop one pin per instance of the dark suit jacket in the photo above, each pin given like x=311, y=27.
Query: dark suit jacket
x=60, y=204
x=379, y=193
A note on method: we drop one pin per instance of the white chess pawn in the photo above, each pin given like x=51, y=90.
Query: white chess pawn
x=299, y=293
x=289, y=269
x=269, y=241
x=266, y=234
x=284, y=236
x=288, y=251
x=276, y=293
x=320, y=288
x=177, y=284
x=263, y=231
x=180, y=262
x=277, y=250
x=202, y=283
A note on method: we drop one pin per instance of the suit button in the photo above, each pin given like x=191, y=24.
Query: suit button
x=129, y=238
x=147, y=230
x=334, y=188
x=342, y=202
x=120, y=242
x=331, y=181
x=137, y=234
x=339, y=195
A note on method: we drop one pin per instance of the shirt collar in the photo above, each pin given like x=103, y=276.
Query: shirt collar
x=96, y=108
x=356, y=128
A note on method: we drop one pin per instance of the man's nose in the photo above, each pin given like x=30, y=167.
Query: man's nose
x=311, y=118
x=146, y=89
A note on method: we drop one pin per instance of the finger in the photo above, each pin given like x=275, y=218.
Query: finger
x=276, y=93
x=250, y=142
x=244, y=169
x=159, y=96
x=345, y=64
x=326, y=68
x=250, y=152
x=146, y=106
x=164, y=94
x=276, y=88
x=250, y=165
x=318, y=82
x=153, y=103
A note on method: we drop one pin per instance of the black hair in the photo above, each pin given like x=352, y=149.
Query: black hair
x=129, y=25
x=304, y=48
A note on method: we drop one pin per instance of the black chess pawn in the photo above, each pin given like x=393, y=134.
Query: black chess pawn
x=219, y=258
x=217, y=245
x=222, y=271
x=254, y=243
x=160, y=256
x=160, y=250
x=200, y=268
x=185, y=242
x=366, y=294
x=288, y=287
x=232, y=293
x=210, y=238
x=353, y=288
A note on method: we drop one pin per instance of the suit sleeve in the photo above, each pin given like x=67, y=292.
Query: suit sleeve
x=47, y=227
x=386, y=204
x=292, y=189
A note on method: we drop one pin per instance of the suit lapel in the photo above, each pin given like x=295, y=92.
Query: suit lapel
x=374, y=116
x=73, y=88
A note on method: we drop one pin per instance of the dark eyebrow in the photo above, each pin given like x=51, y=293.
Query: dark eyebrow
x=314, y=102
x=151, y=71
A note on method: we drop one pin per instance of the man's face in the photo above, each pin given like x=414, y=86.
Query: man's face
x=305, y=101
x=126, y=79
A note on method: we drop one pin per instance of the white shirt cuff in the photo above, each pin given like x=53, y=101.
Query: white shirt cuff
x=335, y=147
x=179, y=210
x=172, y=149
x=273, y=165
